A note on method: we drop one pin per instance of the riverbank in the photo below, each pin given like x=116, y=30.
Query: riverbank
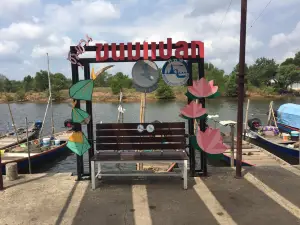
x=129, y=95
x=217, y=199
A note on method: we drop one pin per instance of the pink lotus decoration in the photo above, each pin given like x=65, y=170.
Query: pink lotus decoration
x=202, y=89
x=211, y=141
x=193, y=110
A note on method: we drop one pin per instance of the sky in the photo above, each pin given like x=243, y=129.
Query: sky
x=31, y=28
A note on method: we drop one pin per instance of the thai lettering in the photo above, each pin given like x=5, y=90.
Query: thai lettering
x=134, y=52
x=80, y=49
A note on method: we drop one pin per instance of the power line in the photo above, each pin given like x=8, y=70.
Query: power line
x=260, y=14
x=224, y=16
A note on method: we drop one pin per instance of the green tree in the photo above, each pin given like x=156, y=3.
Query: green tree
x=28, y=82
x=297, y=59
x=41, y=81
x=286, y=76
x=262, y=71
x=118, y=82
x=231, y=85
x=115, y=86
x=7, y=87
x=288, y=61
x=58, y=81
x=164, y=91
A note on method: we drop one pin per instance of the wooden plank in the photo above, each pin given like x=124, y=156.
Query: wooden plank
x=114, y=133
x=140, y=156
x=134, y=125
x=148, y=139
x=138, y=146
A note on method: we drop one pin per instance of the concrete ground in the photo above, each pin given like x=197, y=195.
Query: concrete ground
x=266, y=195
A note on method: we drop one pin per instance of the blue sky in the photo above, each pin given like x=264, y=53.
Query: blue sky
x=30, y=28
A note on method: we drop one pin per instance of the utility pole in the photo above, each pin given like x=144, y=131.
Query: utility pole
x=241, y=89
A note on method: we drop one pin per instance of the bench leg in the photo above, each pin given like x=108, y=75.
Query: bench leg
x=93, y=175
x=99, y=170
x=185, y=174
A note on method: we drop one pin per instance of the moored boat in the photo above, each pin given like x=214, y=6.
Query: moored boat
x=13, y=138
x=271, y=139
x=288, y=117
x=41, y=152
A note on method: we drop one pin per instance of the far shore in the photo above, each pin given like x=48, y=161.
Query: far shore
x=105, y=95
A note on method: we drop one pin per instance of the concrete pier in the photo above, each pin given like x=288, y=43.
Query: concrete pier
x=266, y=195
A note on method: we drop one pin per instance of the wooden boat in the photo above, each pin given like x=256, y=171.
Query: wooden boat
x=11, y=139
x=39, y=154
x=285, y=150
x=287, y=117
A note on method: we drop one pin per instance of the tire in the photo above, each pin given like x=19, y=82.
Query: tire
x=252, y=122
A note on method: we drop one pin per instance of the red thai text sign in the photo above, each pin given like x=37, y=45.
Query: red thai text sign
x=181, y=51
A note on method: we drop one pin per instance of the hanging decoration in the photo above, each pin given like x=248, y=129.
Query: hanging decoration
x=78, y=143
x=79, y=115
x=202, y=89
x=210, y=140
x=83, y=90
x=193, y=111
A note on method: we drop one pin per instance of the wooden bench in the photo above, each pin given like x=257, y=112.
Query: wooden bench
x=122, y=142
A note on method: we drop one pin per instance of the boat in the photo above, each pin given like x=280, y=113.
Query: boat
x=288, y=117
x=42, y=153
x=13, y=138
x=274, y=141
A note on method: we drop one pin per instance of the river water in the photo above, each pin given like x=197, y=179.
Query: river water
x=226, y=108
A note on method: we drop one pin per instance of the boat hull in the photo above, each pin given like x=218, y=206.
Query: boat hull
x=287, y=154
x=40, y=160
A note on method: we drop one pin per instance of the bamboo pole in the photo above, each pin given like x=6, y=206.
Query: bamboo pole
x=270, y=113
x=28, y=150
x=50, y=96
x=140, y=165
x=12, y=118
x=273, y=116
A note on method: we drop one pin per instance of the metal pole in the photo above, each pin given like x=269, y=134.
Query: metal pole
x=28, y=150
x=191, y=125
x=50, y=96
x=241, y=79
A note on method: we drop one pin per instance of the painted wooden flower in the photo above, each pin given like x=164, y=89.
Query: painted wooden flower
x=202, y=89
x=211, y=141
x=193, y=111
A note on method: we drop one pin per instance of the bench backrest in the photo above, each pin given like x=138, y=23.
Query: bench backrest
x=125, y=136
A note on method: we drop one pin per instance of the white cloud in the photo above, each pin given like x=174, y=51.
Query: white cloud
x=21, y=31
x=8, y=48
x=14, y=6
x=56, y=50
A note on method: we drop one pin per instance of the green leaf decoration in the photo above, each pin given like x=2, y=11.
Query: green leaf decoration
x=215, y=95
x=190, y=96
x=78, y=143
x=80, y=116
x=82, y=90
x=197, y=118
